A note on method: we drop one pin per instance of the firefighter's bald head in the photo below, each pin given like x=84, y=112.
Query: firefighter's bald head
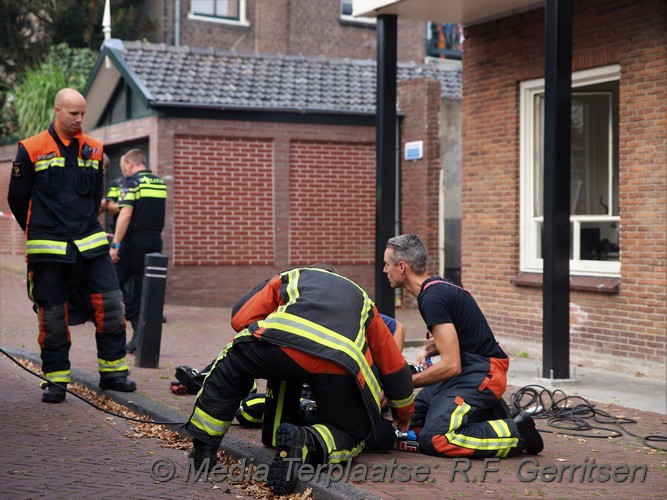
x=70, y=107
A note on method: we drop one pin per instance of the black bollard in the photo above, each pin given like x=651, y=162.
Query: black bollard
x=152, y=306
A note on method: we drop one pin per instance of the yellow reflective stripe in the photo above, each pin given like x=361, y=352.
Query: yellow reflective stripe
x=336, y=456
x=59, y=376
x=400, y=403
x=46, y=246
x=292, y=288
x=473, y=443
x=117, y=365
x=153, y=191
x=360, y=341
x=250, y=418
x=93, y=241
x=500, y=427
x=486, y=444
x=457, y=417
x=339, y=456
x=90, y=163
x=280, y=404
x=326, y=435
x=304, y=328
x=211, y=426
x=59, y=161
x=56, y=161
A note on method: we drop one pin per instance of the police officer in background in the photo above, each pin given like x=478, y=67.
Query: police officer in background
x=55, y=192
x=142, y=205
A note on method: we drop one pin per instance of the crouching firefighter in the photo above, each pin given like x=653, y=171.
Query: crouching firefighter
x=308, y=325
x=55, y=191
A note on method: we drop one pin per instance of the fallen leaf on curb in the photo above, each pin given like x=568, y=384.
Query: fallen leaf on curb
x=561, y=460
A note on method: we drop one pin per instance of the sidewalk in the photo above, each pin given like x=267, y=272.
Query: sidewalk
x=193, y=336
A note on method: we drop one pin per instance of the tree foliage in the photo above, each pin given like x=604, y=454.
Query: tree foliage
x=37, y=53
x=34, y=96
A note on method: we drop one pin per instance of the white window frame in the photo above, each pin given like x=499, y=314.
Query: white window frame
x=241, y=21
x=529, y=232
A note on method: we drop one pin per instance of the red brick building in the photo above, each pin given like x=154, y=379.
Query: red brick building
x=269, y=159
x=618, y=302
x=618, y=191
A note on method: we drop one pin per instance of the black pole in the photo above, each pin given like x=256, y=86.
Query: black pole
x=152, y=307
x=385, y=156
x=556, y=236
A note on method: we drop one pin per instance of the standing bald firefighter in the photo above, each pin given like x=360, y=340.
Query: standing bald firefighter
x=55, y=191
x=305, y=325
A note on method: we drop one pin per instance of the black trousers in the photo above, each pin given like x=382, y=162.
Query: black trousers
x=344, y=420
x=130, y=269
x=50, y=285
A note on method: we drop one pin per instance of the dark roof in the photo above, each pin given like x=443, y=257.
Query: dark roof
x=187, y=76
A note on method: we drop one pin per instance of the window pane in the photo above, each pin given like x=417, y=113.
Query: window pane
x=538, y=155
x=346, y=7
x=590, y=161
x=227, y=8
x=216, y=8
x=204, y=7
x=599, y=241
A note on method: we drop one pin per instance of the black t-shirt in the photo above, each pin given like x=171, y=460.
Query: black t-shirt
x=441, y=301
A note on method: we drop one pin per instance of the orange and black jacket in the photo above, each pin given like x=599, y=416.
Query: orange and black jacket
x=55, y=192
x=325, y=315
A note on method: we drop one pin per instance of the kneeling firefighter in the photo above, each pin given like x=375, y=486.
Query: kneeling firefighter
x=310, y=325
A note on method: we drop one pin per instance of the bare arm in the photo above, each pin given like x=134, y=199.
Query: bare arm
x=122, y=224
x=446, y=344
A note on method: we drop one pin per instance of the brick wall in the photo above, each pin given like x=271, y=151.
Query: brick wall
x=308, y=27
x=223, y=203
x=332, y=202
x=501, y=54
x=12, y=239
x=203, y=33
x=419, y=101
x=253, y=198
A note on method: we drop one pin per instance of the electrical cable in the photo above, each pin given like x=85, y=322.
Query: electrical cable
x=571, y=415
x=133, y=419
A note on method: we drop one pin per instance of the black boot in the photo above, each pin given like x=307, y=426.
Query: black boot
x=54, y=393
x=298, y=445
x=132, y=344
x=201, y=452
x=121, y=384
x=532, y=441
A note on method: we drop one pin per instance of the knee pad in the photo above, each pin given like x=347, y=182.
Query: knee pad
x=109, y=311
x=53, y=330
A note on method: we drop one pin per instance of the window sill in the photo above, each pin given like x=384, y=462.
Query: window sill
x=242, y=23
x=597, y=284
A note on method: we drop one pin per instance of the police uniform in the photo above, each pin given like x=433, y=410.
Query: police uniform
x=314, y=326
x=55, y=193
x=147, y=195
x=113, y=194
x=451, y=413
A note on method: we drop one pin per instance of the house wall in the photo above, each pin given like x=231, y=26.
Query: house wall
x=248, y=199
x=419, y=101
x=611, y=328
x=308, y=27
